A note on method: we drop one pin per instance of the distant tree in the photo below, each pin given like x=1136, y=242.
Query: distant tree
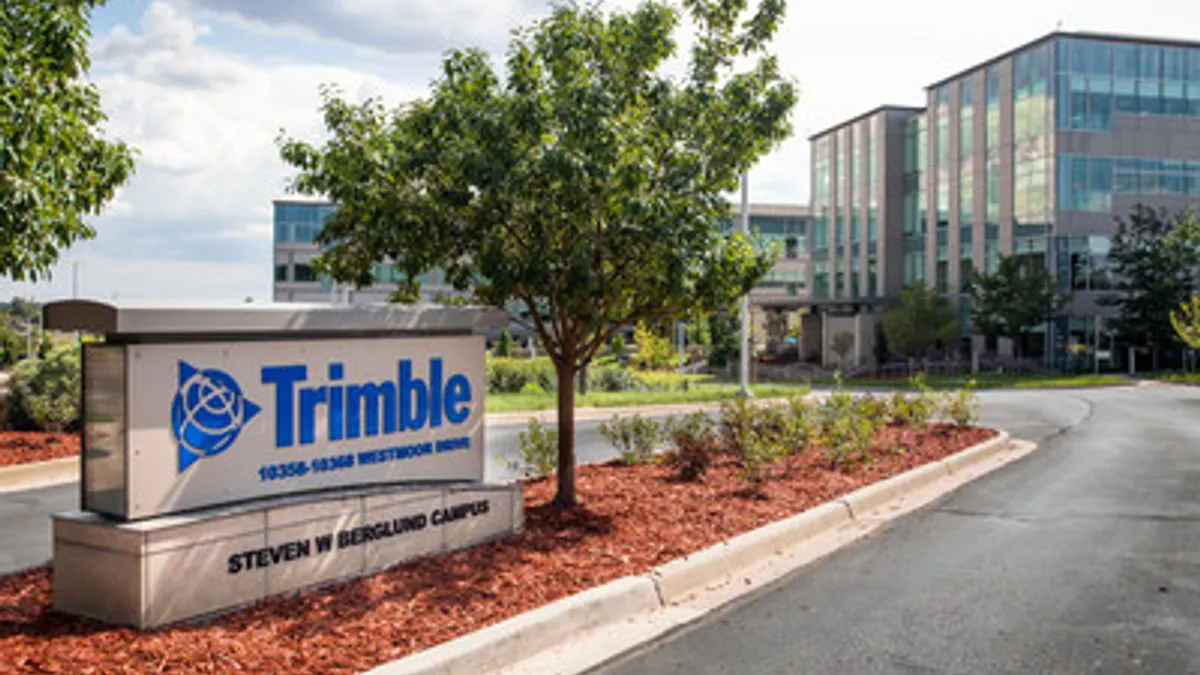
x=617, y=345
x=55, y=167
x=843, y=342
x=724, y=327
x=1014, y=300
x=585, y=180
x=1186, y=322
x=921, y=322
x=882, y=351
x=1155, y=260
x=24, y=311
x=504, y=344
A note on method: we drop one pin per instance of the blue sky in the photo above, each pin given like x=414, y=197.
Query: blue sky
x=202, y=88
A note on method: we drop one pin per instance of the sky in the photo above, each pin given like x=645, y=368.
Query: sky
x=203, y=88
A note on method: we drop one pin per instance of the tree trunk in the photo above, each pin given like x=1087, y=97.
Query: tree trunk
x=566, y=436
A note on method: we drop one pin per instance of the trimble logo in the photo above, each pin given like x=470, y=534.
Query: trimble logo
x=361, y=410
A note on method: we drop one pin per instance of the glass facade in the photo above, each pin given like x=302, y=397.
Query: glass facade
x=991, y=243
x=300, y=222
x=914, y=225
x=1088, y=182
x=1098, y=79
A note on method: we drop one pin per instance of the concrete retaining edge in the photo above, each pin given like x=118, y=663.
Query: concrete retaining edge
x=527, y=634
x=39, y=474
x=523, y=636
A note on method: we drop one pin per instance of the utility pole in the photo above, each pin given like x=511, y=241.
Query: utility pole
x=75, y=279
x=744, y=338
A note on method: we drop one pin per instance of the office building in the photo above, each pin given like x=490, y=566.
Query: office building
x=1033, y=153
x=297, y=223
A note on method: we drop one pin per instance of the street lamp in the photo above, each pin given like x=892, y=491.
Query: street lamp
x=744, y=337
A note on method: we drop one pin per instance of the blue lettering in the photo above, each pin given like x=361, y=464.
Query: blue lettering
x=284, y=379
x=370, y=397
x=367, y=409
x=458, y=392
x=337, y=417
x=309, y=400
x=414, y=399
x=435, y=393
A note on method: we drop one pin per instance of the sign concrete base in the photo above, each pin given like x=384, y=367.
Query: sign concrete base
x=172, y=568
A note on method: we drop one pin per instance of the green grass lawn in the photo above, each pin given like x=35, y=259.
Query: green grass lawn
x=704, y=393
x=1178, y=378
x=1035, y=381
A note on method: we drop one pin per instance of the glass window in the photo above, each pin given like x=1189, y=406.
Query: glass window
x=1099, y=184
x=304, y=272
x=1125, y=60
x=282, y=232
x=993, y=86
x=1078, y=56
x=1174, y=64
x=1173, y=100
x=280, y=272
x=1099, y=58
x=943, y=276
x=1149, y=61
x=1149, y=97
x=1125, y=98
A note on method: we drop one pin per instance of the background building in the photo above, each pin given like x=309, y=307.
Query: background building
x=297, y=223
x=1033, y=153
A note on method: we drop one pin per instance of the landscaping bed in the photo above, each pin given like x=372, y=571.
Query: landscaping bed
x=633, y=518
x=25, y=447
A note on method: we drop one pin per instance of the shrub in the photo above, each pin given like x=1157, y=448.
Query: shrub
x=635, y=437
x=504, y=344
x=617, y=345
x=739, y=418
x=846, y=429
x=537, y=451
x=509, y=376
x=654, y=352
x=45, y=393
x=962, y=406
x=924, y=405
x=762, y=445
x=694, y=441
x=614, y=379
x=661, y=381
x=532, y=388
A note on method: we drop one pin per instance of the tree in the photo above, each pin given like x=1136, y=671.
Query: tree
x=504, y=344
x=55, y=167
x=725, y=329
x=1187, y=322
x=1014, y=300
x=1155, y=257
x=588, y=184
x=843, y=342
x=882, y=349
x=920, y=323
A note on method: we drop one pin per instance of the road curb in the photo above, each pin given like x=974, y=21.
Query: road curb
x=527, y=634
x=981, y=452
x=39, y=474
x=512, y=641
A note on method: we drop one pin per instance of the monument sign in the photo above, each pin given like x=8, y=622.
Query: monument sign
x=235, y=453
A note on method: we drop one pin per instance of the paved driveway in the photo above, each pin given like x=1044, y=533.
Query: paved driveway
x=1081, y=558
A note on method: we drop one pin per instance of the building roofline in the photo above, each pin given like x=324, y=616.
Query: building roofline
x=302, y=201
x=1084, y=35
x=870, y=113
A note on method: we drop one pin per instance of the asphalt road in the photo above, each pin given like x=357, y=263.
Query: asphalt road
x=1084, y=557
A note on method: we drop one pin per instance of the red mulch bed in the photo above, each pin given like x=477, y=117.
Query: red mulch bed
x=23, y=447
x=633, y=518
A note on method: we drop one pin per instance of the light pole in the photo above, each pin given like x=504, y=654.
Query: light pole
x=75, y=279
x=744, y=338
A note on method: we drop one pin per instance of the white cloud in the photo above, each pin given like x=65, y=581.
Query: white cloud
x=110, y=279
x=394, y=26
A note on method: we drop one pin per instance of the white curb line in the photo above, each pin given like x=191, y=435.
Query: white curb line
x=39, y=474
x=527, y=635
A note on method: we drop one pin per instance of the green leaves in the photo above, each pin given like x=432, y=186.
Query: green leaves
x=1155, y=261
x=55, y=168
x=921, y=323
x=586, y=183
x=1014, y=300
